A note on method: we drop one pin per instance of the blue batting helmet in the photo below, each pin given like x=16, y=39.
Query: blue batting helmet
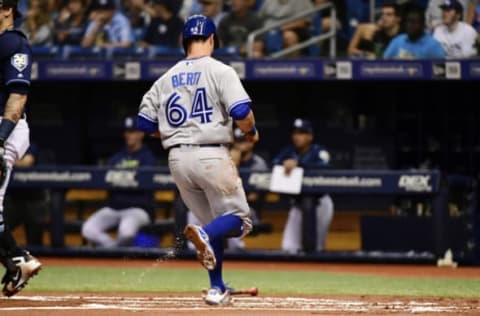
x=199, y=26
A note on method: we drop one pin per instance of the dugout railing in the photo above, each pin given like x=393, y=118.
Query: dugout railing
x=425, y=185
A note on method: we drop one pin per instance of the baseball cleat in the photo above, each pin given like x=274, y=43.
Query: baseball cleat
x=214, y=296
x=27, y=267
x=200, y=240
x=205, y=291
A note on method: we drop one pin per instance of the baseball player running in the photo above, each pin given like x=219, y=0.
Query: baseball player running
x=15, y=68
x=193, y=106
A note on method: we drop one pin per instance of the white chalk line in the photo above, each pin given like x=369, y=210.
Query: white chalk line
x=189, y=303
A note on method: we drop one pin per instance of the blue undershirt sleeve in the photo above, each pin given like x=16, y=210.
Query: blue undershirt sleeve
x=146, y=126
x=240, y=111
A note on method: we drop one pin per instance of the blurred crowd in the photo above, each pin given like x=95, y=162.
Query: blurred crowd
x=412, y=29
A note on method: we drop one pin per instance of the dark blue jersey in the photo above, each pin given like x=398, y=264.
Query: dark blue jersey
x=121, y=199
x=126, y=159
x=15, y=65
x=256, y=163
x=315, y=157
x=164, y=32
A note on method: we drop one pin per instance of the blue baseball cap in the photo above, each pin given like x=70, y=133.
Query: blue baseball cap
x=130, y=123
x=302, y=125
x=452, y=5
x=200, y=26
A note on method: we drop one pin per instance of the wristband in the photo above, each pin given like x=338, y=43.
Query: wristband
x=253, y=131
x=6, y=128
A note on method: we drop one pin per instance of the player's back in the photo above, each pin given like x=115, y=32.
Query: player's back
x=195, y=97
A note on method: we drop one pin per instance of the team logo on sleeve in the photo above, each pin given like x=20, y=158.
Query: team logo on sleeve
x=20, y=61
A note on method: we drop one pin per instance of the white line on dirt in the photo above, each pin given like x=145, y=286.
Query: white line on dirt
x=188, y=303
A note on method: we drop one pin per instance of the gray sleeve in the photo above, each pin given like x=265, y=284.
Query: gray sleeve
x=150, y=104
x=433, y=14
x=468, y=44
x=43, y=36
x=232, y=92
x=259, y=164
x=301, y=5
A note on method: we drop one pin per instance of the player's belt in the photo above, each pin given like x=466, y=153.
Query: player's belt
x=195, y=145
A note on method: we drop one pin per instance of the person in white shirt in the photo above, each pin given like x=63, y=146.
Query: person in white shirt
x=433, y=13
x=457, y=38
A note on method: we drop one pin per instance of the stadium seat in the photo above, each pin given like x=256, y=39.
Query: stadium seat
x=162, y=51
x=229, y=51
x=258, y=5
x=273, y=41
x=316, y=29
x=358, y=11
x=83, y=52
x=139, y=34
x=126, y=52
x=45, y=51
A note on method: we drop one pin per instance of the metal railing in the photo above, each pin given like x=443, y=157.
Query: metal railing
x=330, y=35
x=373, y=10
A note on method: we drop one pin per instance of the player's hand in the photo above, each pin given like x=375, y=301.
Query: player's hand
x=289, y=165
x=252, y=138
x=155, y=135
x=236, y=156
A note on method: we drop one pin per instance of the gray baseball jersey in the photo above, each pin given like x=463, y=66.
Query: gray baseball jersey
x=192, y=102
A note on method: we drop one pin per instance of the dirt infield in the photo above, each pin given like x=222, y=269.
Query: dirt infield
x=120, y=304
x=149, y=304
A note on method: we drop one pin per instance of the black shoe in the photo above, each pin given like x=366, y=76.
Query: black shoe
x=27, y=266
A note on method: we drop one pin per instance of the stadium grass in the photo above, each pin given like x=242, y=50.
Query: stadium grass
x=161, y=280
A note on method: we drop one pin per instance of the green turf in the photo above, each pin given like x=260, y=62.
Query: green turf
x=87, y=279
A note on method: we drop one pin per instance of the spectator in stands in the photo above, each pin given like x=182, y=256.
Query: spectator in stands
x=243, y=155
x=28, y=206
x=294, y=32
x=326, y=18
x=213, y=9
x=370, y=39
x=190, y=7
x=434, y=12
x=304, y=153
x=457, y=38
x=139, y=12
x=38, y=24
x=129, y=210
x=70, y=28
x=166, y=28
x=235, y=27
x=108, y=27
x=253, y=4
x=416, y=43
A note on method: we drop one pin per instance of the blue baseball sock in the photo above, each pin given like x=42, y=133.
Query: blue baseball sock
x=216, y=279
x=217, y=230
x=224, y=226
